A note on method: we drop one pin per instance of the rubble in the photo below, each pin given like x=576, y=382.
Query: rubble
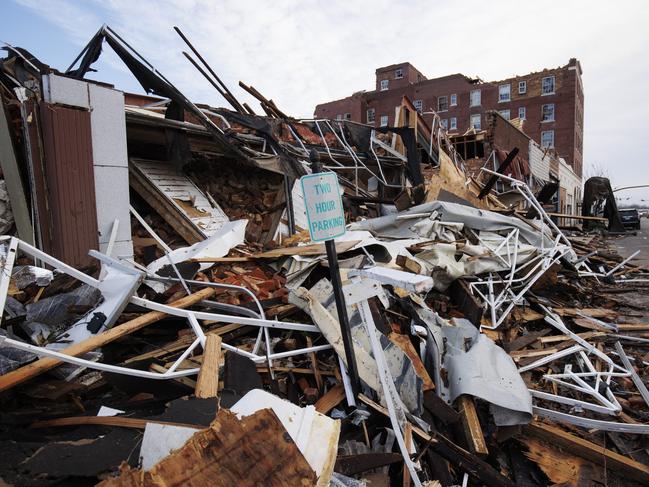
x=201, y=339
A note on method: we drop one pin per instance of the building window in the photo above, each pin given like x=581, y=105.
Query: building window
x=348, y=116
x=504, y=93
x=547, y=112
x=419, y=105
x=453, y=123
x=506, y=114
x=522, y=87
x=547, y=138
x=384, y=120
x=476, y=99
x=453, y=100
x=547, y=85
x=444, y=123
x=521, y=113
x=371, y=115
x=339, y=117
x=442, y=103
x=385, y=83
x=398, y=74
x=476, y=122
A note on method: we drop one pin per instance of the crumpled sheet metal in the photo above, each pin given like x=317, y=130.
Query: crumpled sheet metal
x=440, y=263
x=476, y=366
x=398, y=227
x=299, y=267
x=486, y=371
x=319, y=303
x=217, y=245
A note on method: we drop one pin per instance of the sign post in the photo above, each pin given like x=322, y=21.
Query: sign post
x=326, y=218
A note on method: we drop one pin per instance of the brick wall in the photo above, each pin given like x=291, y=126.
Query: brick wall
x=567, y=98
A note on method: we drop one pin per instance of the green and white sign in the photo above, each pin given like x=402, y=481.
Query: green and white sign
x=324, y=206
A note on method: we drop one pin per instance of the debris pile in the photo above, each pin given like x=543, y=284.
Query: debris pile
x=205, y=338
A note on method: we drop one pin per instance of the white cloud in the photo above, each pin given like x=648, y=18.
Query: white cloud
x=303, y=53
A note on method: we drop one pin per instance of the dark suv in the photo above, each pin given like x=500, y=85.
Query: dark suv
x=630, y=218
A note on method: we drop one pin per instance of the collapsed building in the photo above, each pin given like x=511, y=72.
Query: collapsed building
x=167, y=320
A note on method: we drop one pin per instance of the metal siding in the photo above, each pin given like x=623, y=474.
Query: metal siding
x=539, y=164
x=71, y=184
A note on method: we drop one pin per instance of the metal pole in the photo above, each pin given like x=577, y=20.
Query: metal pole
x=341, y=307
x=290, y=215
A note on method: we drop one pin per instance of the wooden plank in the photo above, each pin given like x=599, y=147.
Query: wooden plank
x=633, y=327
x=533, y=353
x=407, y=438
x=253, y=451
x=305, y=250
x=208, y=376
x=20, y=375
x=404, y=343
x=471, y=425
x=525, y=340
x=600, y=313
x=620, y=464
x=330, y=400
x=294, y=370
x=120, y=421
x=313, y=358
x=459, y=457
x=408, y=264
x=168, y=211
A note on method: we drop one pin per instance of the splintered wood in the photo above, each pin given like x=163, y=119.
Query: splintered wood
x=208, y=377
x=255, y=450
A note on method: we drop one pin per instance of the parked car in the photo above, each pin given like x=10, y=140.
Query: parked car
x=630, y=218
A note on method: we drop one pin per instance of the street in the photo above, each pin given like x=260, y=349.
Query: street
x=629, y=244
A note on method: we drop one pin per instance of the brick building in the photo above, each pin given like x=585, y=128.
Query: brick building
x=551, y=102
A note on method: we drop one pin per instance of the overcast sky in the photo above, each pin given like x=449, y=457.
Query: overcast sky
x=300, y=53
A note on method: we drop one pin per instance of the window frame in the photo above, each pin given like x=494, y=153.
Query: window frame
x=398, y=73
x=509, y=93
x=347, y=116
x=524, y=85
x=384, y=85
x=367, y=115
x=472, y=125
x=439, y=100
x=554, y=115
x=419, y=108
x=524, y=117
x=443, y=122
x=387, y=121
x=509, y=114
x=543, y=92
x=453, y=123
x=453, y=100
x=542, y=135
x=471, y=104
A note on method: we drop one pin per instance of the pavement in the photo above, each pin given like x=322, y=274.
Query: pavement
x=640, y=241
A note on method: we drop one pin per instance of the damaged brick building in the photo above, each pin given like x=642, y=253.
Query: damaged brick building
x=551, y=103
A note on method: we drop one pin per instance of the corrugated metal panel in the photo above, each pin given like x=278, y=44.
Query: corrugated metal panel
x=67, y=144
